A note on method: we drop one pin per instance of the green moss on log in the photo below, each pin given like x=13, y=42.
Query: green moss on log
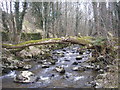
x=28, y=43
x=73, y=40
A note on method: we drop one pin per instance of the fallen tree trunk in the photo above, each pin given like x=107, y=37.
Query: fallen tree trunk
x=65, y=40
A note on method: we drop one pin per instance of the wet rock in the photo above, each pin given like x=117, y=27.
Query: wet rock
x=12, y=66
x=102, y=58
x=73, y=51
x=77, y=68
x=68, y=76
x=79, y=57
x=61, y=55
x=30, y=52
x=20, y=64
x=52, y=62
x=53, y=52
x=4, y=59
x=99, y=86
x=44, y=78
x=101, y=71
x=46, y=63
x=52, y=75
x=78, y=78
x=74, y=63
x=101, y=76
x=80, y=53
x=99, y=83
x=64, y=50
x=45, y=66
x=59, y=52
x=27, y=60
x=87, y=52
x=89, y=67
x=60, y=69
x=67, y=60
x=6, y=70
x=41, y=61
x=93, y=83
x=81, y=50
x=27, y=67
x=97, y=67
x=25, y=77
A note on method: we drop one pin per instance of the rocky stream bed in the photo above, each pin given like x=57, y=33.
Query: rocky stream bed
x=66, y=67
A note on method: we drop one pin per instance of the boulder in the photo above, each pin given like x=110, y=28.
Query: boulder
x=61, y=54
x=27, y=67
x=52, y=62
x=74, y=63
x=12, y=66
x=46, y=63
x=25, y=77
x=30, y=52
x=45, y=66
x=60, y=69
x=87, y=66
x=27, y=60
x=20, y=64
x=79, y=57
x=101, y=76
x=77, y=68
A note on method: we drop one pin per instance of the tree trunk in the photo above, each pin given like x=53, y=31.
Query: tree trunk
x=77, y=11
x=65, y=40
x=53, y=19
x=95, y=12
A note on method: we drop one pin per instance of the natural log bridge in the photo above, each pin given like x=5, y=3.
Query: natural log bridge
x=64, y=40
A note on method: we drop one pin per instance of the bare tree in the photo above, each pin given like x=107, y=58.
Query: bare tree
x=13, y=20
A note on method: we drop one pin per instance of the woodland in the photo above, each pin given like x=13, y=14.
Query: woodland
x=59, y=44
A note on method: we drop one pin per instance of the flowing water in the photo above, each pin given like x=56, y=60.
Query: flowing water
x=49, y=78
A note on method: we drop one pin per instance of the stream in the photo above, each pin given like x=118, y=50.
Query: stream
x=49, y=78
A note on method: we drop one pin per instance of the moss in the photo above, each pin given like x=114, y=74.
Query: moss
x=32, y=41
x=85, y=40
x=99, y=41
